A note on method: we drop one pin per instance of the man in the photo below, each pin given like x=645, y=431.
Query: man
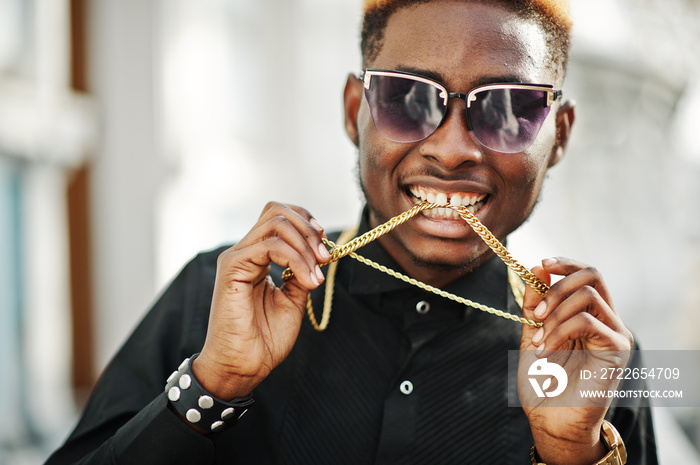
x=399, y=376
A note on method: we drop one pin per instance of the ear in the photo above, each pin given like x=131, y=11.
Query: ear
x=565, y=120
x=352, y=97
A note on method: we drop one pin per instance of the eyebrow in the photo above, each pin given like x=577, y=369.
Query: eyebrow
x=435, y=76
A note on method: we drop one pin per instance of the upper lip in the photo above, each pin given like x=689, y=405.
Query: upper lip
x=458, y=186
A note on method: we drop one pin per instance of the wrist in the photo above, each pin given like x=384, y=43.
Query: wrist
x=568, y=455
x=609, y=449
x=576, y=445
x=216, y=380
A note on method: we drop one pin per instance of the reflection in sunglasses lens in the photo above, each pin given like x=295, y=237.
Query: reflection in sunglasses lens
x=508, y=120
x=404, y=110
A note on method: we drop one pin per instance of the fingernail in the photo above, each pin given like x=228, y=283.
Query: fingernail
x=323, y=251
x=549, y=261
x=540, y=309
x=319, y=274
x=537, y=338
x=316, y=225
x=539, y=350
x=314, y=279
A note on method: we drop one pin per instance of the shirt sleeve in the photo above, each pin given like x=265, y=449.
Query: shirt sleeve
x=127, y=419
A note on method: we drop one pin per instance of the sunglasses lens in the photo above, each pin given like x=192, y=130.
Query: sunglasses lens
x=404, y=109
x=508, y=120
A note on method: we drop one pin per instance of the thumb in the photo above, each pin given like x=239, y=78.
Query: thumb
x=296, y=294
x=530, y=301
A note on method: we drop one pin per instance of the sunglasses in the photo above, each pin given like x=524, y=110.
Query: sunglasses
x=504, y=117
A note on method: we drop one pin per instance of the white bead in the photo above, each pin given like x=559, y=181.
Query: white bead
x=174, y=394
x=185, y=381
x=193, y=415
x=205, y=402
x=217, y=425
x=171, y=377
x=226, y=414
x=183, y=365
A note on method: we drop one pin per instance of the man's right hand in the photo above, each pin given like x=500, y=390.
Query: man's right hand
x=253, y=324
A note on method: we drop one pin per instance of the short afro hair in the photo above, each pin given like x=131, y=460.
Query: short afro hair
x=553, y=15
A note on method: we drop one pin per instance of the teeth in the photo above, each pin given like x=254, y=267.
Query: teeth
x=473, y=202
x=418, y=193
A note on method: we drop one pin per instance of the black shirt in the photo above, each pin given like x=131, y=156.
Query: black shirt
x=384, y=384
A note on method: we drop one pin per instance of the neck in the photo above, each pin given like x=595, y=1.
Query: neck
x=436, y=274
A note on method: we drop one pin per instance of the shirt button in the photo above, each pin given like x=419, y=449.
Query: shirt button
x=406, y=387
x=422, y=307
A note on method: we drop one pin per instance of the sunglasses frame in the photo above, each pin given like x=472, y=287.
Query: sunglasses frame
x=552, y=94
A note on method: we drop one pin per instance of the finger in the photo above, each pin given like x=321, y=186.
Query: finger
x=300, y=218
x=282, y=227
x=593, y=334
x=531, y=297
x=306, y=216
x=530, y=301
x=250, y=265
x=585, y=299
x=581, y=274
x=272, y=209
x=302, y=212
x=296, y=293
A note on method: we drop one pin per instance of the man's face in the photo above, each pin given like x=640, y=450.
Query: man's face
x=462, y=45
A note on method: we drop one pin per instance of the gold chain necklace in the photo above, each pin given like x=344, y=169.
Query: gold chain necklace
x=348, y=247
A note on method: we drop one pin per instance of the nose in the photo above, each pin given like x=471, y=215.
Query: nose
x=451, y=145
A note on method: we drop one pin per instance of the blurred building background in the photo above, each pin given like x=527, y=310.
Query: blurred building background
x=134, y=133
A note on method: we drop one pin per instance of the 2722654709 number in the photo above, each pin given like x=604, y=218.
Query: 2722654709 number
x=639, y=373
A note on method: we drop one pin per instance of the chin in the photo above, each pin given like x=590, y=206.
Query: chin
x=449, y=255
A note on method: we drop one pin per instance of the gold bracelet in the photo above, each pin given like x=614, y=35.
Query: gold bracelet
x=617, y=453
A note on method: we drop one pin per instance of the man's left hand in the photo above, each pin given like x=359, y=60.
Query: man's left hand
x=577, y=315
